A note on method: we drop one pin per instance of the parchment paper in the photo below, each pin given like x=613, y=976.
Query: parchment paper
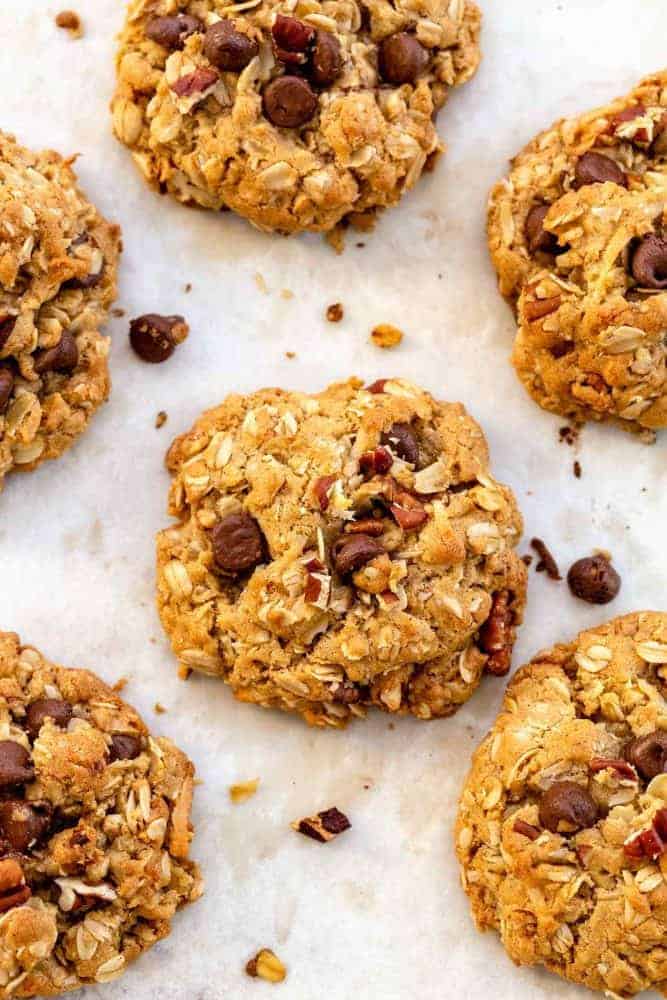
x=379, y=913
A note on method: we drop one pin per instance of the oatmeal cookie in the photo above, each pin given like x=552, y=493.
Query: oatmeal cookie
x=341, y=550
x=562, y=828
x=293, y=113
x=58, y=260
x=577, y=236
x=94, y=828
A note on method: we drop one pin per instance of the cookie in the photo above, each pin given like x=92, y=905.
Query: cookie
x=562, y=827
x=294, y=114
x=94, y=828
x=576, y=235
x=58, y=260
x=340, y=550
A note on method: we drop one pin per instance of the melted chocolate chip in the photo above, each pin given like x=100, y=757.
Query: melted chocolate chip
x=238, y=543
x=567, y=807
x=23, y=824
x=354, y=551
x=37, y=713
x=596, y=168
x=124, y=746
x=403, y=442
x=7, y=324
x=64, y=357
x=15, y=764
x=537, y=237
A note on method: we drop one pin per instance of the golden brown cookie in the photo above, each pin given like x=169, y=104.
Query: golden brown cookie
x=94, y=828
x=58, y=260
x=562, y=826
x=577, y=236
x=341, y=550
x=293, y=114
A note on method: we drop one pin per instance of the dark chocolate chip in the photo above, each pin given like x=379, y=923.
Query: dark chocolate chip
x=596, y=168
x=64, y=357
x=23, y=824
x=334, y=821
x=227, y=48
x=238, y=543
x=15, y=764
x=6, y=387
x=353, y=551
x=124, y=746
x=594, y=579
x=567, y=807
x=7, y=324
x=171, y=32
x=289, y=101
x=537, y=237
x=649, y=262
x=154, y=337
x=403, y=442
x=401, y=58
x=325, y=61
x=59, y=711
x=547, y=564
x=648, y=754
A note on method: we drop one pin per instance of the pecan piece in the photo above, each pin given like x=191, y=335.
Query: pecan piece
x=535, y=309
x=495, y=635
x=195, y=83
x=321, y=489
x=13, y=890
x=526, y=829
x=324, y=826
x=408, y=511
x=377, y=462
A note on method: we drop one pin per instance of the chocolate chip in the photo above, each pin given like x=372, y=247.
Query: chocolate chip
x=238, y=543
x=596, y=168
x=59, y=711
x=567, y=807
x=495, y=635
x=23, y=824
x=354, y=551
x=324, y=826
x=537, y=237
x=289, y=101
x=6, y=387
x=648, y=754
x=649, y=262
x=594, y=579
x=15, y=764
x=171, y=32
x=227, y=48
x=325, y=60
x=403, y=442
x=124, y=746
x=154, y=337
x=7, y=324
x=401, y=58
x=291, y=38
x=64, y=357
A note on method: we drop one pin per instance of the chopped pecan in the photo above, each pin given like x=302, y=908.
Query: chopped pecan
x=266, y=965
x=408, y=511
x=377, y=386
x=321, y=490
x=535, y=309
x=495, y=636
x=621, y=767
x=195, y=83
x=525, y=829
x=547, y=564
x=13, y=890
x=372, y=526
x=649, y=843
x=377, y=462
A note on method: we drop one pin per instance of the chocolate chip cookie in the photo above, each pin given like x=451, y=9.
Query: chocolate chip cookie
x=577, y=236
x=94, y=828
x=58, y=261
x=339, y=551
x=293, y=114
x=562, y=828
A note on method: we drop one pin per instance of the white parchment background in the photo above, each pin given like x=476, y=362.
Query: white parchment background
x=379, y=913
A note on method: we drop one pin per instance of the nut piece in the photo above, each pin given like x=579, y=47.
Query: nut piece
x=243, y=790
x=567, y=807
x=594, y=579
x=13, y=890
x=266, y=965
x=324, y=826
x=495, y=636
x=154, y=337
x=386, y=336
x=334, y=312
x=70, y=21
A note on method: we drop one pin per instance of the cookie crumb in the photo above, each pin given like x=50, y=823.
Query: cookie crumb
x=286, y=293
x=527, y=560
x=266, y=965
x=188, y=288
x=120, y=684
x=261, y=283
x=385, y=335
x=159, y=709
x=117, y=312
x=184, y=672
x=546, y=563
x=576, y=468
x=243, y=790
x=568, y=435
x=71, y=22
x=324, y=826
x=290, y=354
x=335, y=312
x=161, y=419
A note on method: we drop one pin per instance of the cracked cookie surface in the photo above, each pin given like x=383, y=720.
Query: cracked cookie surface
x=562, y=826
x=339, y=551
x=94, y=828
x=576, y=234
x=58, y=260
x=293, y=113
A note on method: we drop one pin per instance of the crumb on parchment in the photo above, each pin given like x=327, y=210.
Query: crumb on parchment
x=71, y=22
x=385, y=335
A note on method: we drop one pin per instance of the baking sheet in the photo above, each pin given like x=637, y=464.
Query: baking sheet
x=379, y=913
